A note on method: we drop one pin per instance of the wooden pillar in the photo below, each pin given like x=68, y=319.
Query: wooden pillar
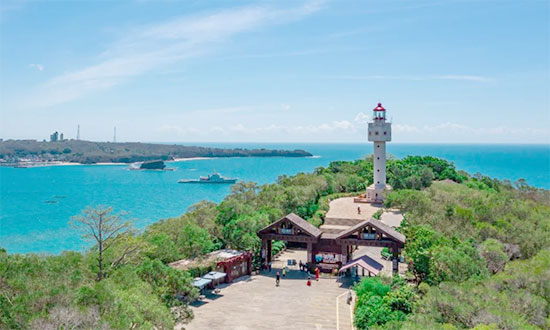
x=345, y=254
x=395, y=259
x=227, y=269
x=310, y=252
x=269, y=252
x=249, y=264
x=263, y=253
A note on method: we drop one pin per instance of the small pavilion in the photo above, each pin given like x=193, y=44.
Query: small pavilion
x=330, y=251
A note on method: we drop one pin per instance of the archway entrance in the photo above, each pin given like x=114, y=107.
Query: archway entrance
x=330, y=251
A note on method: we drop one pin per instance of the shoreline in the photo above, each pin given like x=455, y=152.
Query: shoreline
x=175, y=160
x=62, y=163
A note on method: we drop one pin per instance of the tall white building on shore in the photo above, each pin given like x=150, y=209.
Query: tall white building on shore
x=379, y=132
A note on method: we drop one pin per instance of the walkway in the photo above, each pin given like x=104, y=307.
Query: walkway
x=345, y=208
x=343, y=214
x=256, y=303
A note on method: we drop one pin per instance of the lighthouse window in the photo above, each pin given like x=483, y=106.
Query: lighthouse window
x=378, y=170
x=378, y=182
x=378, y=146
x=384, y=133
x=377, y=157
x=376, y=133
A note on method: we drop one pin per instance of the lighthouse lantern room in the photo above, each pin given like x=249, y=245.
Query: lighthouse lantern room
x=379, y=132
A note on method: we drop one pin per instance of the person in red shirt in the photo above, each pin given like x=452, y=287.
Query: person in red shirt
x=317, y=273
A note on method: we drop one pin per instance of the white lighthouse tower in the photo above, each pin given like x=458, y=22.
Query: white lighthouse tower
x=379, y=133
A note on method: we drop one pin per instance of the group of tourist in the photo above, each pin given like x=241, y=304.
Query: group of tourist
x=303, y=267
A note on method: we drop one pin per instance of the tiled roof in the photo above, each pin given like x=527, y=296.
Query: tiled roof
x=298, y=222
x=389, y=231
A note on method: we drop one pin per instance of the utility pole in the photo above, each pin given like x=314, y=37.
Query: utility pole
x=77, y=132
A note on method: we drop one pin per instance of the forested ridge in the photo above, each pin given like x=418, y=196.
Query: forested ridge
x=477, y=250
x=88, y=152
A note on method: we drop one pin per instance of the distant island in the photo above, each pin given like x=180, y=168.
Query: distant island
x=32, y=152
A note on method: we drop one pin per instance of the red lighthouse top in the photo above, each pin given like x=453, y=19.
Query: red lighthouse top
x=379, y=107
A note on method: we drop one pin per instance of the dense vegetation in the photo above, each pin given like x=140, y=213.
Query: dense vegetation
x=87, y=152
x=478, y=254
x=139, y=290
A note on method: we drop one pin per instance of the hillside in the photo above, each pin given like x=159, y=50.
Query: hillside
x=478, y=251
x=87, y=152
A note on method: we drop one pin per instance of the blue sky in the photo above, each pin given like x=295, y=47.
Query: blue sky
x=279, y=71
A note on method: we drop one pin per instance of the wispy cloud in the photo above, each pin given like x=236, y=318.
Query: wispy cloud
x=465, y=130
x=38, y=67
x=474, y=78
x=351, y=130
x=157, y=45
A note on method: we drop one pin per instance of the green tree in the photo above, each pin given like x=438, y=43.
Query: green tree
x=194, y=240
x=104, y=228
x=494, y=254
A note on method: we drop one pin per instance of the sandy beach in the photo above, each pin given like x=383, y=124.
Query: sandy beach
x=188, y=159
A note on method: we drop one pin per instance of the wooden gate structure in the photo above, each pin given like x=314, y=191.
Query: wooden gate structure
x=340, y=246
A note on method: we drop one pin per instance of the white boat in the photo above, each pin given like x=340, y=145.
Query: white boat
x=212, y=178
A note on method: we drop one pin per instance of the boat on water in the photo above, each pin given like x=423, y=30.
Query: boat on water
x=152, y=165
x=212, y=178
x=157, y=165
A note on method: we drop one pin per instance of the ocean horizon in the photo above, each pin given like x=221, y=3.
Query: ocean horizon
x=37, y=203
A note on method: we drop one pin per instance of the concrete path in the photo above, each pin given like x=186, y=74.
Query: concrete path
x=343, y=214
x=345, y=208
x=254, y=302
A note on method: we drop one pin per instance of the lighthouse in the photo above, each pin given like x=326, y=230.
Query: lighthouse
x=379, y=132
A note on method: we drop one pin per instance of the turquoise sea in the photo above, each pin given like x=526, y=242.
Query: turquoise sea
x=29, y=223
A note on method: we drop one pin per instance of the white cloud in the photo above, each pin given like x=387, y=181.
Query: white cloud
x=156, y=45
x=363, y=118
x=343, y=124
x=334, y=126
x=38, y=67
x=405, y=128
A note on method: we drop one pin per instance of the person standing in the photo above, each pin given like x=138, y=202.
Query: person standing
x=284, y=271
x=277, y=279
x=317, y=273
x=308, y=280
x=358, y=209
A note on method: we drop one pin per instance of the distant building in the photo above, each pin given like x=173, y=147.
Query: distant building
x=54, y=137
x=61, y=137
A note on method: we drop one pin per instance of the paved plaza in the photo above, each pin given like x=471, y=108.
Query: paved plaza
x=254, y=302
x=345, y=208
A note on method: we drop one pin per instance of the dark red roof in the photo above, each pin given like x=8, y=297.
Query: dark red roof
x=379, y=107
